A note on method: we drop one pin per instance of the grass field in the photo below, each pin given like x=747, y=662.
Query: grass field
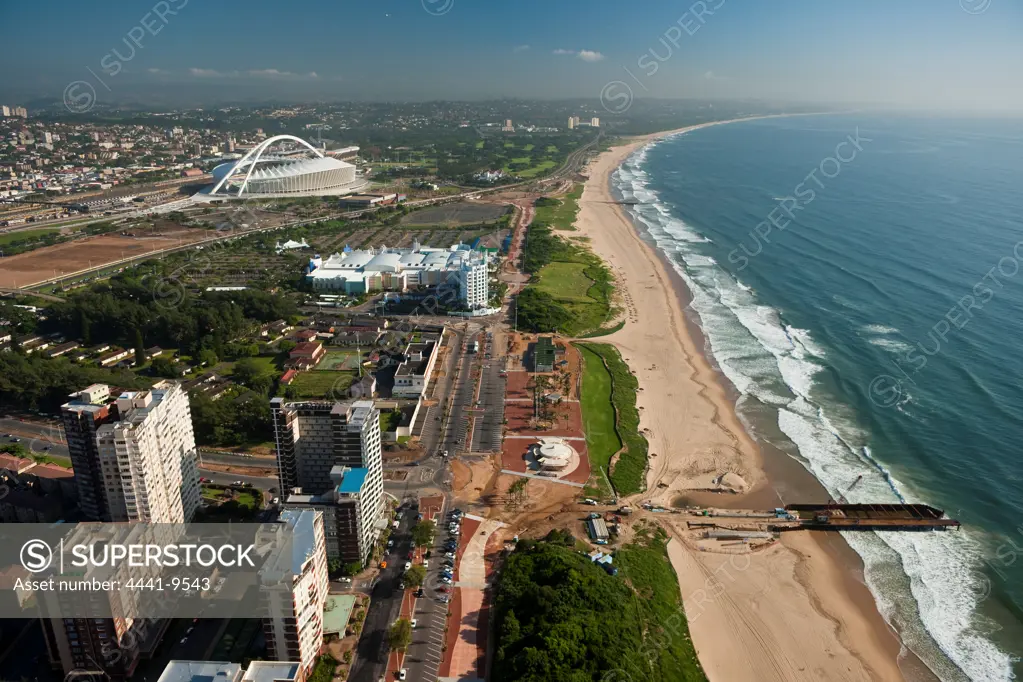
x=628, y=471
x=455, y=214
x=322, y=383
x=562, y=217
x=535, y=170
x=566, y=281
x=602, y=440
x=8, y=237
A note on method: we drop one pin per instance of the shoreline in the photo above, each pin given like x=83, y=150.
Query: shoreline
x=810, y=614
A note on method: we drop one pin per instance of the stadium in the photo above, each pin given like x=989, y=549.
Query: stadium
x=287, y=172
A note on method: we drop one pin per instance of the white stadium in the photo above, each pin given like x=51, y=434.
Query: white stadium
x=285, y=173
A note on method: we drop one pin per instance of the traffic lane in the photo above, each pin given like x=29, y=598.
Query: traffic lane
x=384, y=608
x=220, y=478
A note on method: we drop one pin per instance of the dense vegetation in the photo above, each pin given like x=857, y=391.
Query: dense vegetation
x=230, y=421
x=561, y=618
x=628, y=471
x=38, y=383
x=165, y=312
x=572, y=289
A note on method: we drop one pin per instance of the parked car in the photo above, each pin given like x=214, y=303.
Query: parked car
x=402, y=673
x=415, y=622
x=408, y=565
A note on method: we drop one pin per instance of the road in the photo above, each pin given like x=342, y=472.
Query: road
x=385, y=605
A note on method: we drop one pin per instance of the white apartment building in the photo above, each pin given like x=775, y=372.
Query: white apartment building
x=473, y=284
x=294, y=585
x=136, y=453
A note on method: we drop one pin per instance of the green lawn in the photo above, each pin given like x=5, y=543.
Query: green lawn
x=566, y=281
x=562, y=216
x=528, y=148
x=598, y=416
x=627, y=476
x=537, y=169
x=20, y=235
x=322, y=383
x=339, y=359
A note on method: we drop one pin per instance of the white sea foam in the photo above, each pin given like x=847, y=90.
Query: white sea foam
x=767, y=359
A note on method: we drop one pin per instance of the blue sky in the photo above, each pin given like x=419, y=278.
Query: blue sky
x=950, y=54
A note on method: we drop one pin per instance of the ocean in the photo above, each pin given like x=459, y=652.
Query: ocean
x=859, y=280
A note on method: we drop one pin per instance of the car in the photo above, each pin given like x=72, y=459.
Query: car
x=408, y=565
x=401, y=585
x=346, y=580
x=445, y=579
x=402, y=673
x=15, y=440
x=183, y=640
x=275, y=500
x=445, y=599
x=189, y=630
x=415, y=622
x=426, y=563
x=420, y=593
x=236, y=483
x=450, y=555
x=443, y=453
x=47, y=448
x=390, y=544
x=444, y=589
x=203, y=480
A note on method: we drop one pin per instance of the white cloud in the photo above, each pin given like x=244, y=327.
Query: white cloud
x=210, y=73
x=157, y=71
x=711, y=76
x=252, y=73
x=520, y=48
x=585, y=55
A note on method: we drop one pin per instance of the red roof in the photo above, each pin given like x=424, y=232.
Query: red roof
x=308, y=348
x=289, y=376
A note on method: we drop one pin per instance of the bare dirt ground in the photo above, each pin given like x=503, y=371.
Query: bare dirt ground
x=81, y=254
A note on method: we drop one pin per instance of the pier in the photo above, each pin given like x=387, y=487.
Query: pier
x=865, y=517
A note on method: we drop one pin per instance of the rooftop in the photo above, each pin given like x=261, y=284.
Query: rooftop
x=353, y=481
x=200, y=671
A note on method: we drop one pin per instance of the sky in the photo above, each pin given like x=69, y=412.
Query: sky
x=933, y=54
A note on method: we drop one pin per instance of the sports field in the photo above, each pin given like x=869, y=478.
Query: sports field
x=456, y=214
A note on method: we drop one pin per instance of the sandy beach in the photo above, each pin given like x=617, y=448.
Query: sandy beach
x=797, y=610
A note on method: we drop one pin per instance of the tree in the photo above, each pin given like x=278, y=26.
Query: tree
x=399, y=635
x=164, y=367
x=423, y=533
x=333, y=567
x=207, y=357
x=140, y=348
x=351, y=569
x=415, y=576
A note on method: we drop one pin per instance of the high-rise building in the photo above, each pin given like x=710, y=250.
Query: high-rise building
x=134, y=456
x=313, y=437
x=571, y=122
x=349, y=516
x=21, y=111
x=5, y=111
x=294, y=586
x=83, y=632
x=473, y=282
x=595, y=122
x=508, y=127
x=89, y=409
